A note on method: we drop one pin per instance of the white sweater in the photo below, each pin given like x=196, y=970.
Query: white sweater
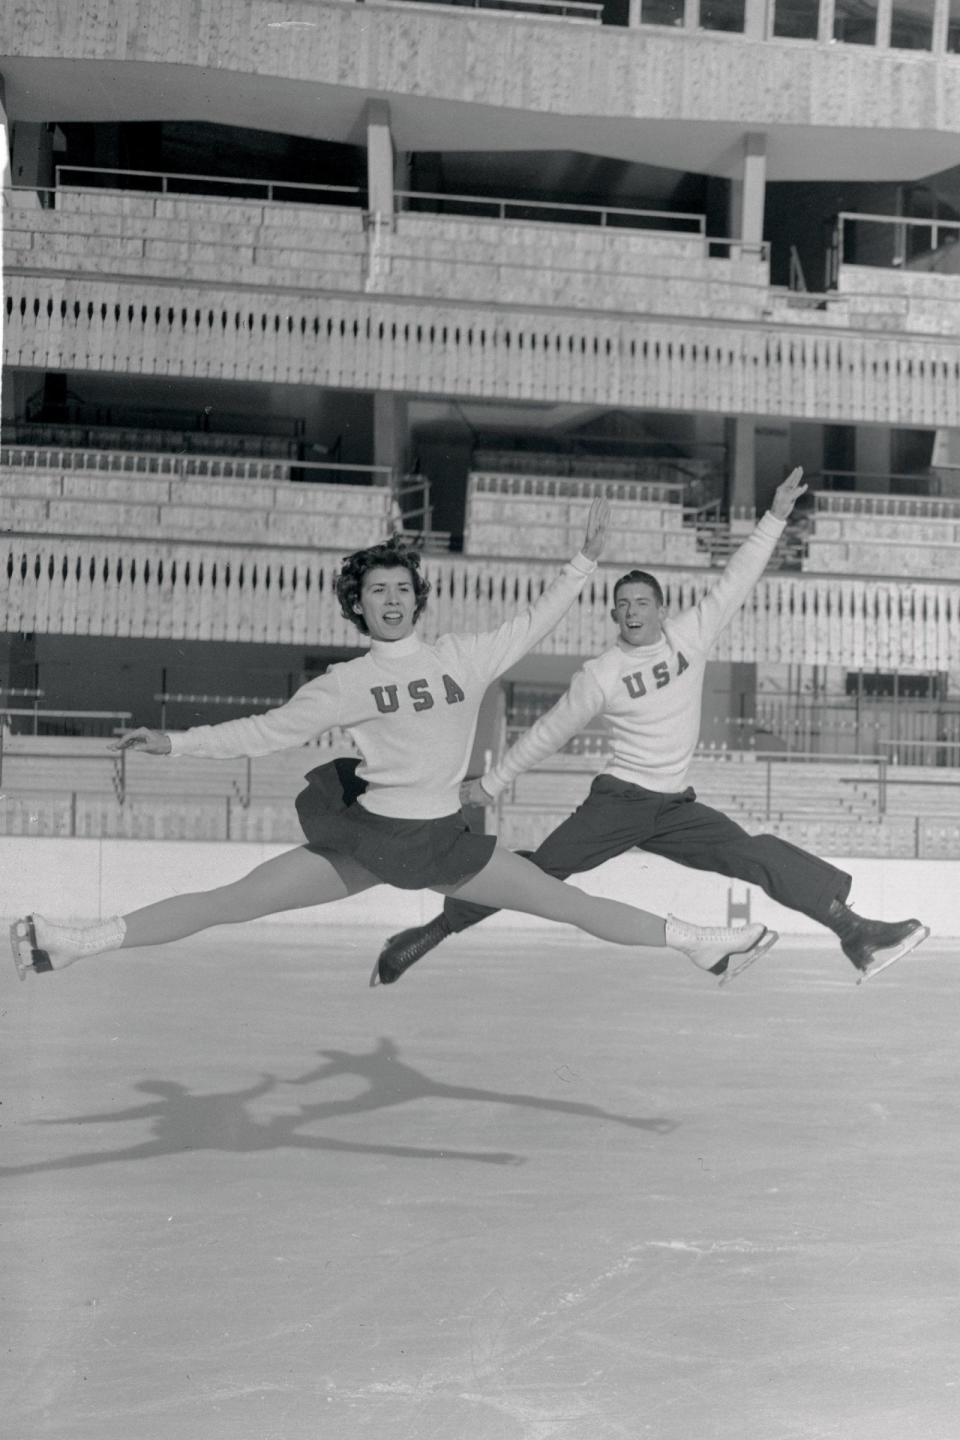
x=411, y=709
x=649, y=695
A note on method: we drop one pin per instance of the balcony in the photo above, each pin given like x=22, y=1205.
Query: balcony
x=206, y=591
x=317, y=297
x=576, y=258
x=63, y=491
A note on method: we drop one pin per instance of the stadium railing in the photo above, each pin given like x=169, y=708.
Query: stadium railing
x=840, y=806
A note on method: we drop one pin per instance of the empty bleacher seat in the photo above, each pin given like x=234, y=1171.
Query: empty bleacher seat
x=172, y=502
x=855, y=533
x=829, y=807
x=543, y=516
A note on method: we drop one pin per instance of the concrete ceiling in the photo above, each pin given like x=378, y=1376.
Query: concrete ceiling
x=489, y=417
x=49, y=90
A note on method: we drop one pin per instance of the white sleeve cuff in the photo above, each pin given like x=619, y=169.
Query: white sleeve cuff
x=492, y=785
x=179, y=744
x=583, y=563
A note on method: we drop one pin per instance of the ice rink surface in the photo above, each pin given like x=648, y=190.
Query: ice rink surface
x=542, y=1189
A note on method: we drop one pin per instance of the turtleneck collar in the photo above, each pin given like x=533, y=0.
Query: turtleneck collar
x=644, y=652
x=395, y=649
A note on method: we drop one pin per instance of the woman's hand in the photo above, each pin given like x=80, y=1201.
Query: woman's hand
x=788, y=493
x=151, y=742
x=597, y=522
x=473, y=793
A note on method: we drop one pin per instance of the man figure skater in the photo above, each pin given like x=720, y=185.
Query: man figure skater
x=648, y=688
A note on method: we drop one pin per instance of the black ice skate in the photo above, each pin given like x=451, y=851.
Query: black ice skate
x=873, y=945
x=403, y=950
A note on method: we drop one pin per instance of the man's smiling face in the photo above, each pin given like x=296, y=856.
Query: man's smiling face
x=638, y=615
x=388, y=602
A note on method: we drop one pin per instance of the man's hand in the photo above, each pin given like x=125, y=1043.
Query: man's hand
x=788, y=494
x=597, y=522
x=151, y=742
x=473, y=793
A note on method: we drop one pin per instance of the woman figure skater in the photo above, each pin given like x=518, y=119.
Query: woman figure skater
x=394, y=816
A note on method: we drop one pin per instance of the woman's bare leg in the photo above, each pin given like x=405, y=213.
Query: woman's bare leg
x=510, y=882
x=288, y=882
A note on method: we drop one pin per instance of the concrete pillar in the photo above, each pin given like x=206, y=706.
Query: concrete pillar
x=390, y=430
x=755, y=19
x=8, y=398
x=380, y=159
x=4, y=138
x=772, y=458
x=729, y=705
x=6, y=387
x=941, y=22
x=32, y=155
x=753, y=189
x=945, y=462
x=873, y=457
x=742, y=468
x=22, y=663
x=4, y=171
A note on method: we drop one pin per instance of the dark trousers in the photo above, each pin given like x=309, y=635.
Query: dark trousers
x=617, y=816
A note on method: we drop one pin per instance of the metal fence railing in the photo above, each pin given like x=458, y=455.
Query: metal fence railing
x=501, y=208
x=227, y=187
x=839, y=492
x=75, y=178
x=891, y=242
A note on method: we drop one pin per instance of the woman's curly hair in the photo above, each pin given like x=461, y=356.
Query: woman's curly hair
x=388, y=555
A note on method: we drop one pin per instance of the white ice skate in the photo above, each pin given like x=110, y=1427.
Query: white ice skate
x=724, y=951
x=41, y=945
x=27, y=953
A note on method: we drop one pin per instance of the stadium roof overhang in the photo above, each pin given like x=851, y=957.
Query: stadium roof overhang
x=101, y=91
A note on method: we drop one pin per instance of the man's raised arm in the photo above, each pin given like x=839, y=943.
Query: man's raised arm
x=496, y=650
x=574, y=710
x=747, y=564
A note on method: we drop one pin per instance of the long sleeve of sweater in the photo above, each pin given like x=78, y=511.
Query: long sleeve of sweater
x=726, y=595
x=314, y=708
x=494, y=651
x=575, y=709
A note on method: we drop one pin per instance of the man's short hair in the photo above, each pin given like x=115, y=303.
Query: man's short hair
x=389, y=555
x=640, y=577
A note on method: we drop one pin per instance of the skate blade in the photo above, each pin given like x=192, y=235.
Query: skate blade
x=375, y=974
x=23, y=944
x=890, y=957
x=737, y=963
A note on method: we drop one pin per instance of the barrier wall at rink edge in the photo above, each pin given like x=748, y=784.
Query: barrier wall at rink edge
x=87, y=879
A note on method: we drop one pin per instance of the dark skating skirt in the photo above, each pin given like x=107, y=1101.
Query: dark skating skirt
x=410, y=854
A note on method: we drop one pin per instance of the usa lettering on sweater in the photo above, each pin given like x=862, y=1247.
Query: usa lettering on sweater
x=387, y=697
